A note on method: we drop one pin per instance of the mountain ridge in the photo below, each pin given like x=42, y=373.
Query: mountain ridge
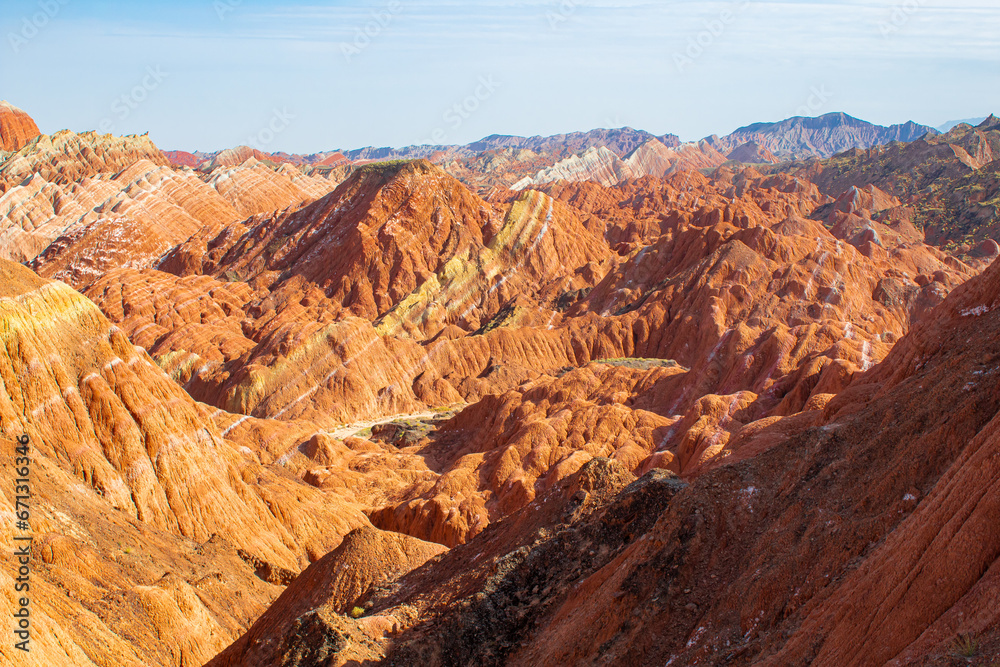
x=620, y=141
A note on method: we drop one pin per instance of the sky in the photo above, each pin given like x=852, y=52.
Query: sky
x=308, y=77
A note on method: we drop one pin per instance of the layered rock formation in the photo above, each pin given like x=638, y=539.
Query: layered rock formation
x=494, y=171
x=752, y=153
x=136, y=484
x=601, y=165
x=17, y=128
x=857, y=533
x=655, y=159
x=666, y=407
x=621, y=141
x=425, y=255
x=120, y=205
x=326, y=591
x=66, y=157
x=603, y=156
x=184, y=159
x=771, y=312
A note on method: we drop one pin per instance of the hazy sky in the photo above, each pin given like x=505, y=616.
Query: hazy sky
x=210, y=74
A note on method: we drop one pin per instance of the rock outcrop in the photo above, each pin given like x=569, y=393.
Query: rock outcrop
x=17, y=128
x=597, y=164
x=67, y=157
x=948, y=184
x=333, y=586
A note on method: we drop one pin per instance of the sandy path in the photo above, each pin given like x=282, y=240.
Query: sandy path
x=350, y=429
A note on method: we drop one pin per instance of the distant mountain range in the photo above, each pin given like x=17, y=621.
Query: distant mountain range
x=823, y=136
x=621, y=142
x=790, y=139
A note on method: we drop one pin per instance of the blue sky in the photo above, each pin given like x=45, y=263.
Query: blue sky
x=210, y=74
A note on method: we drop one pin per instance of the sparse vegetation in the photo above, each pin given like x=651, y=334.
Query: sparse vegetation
x=383, y=167
x=277, y=244
x=965, y=645
x=357, y=612
x=506, y=317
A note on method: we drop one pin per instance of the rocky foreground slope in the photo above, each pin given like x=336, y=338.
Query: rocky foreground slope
x=148, y=519
x=715, y=413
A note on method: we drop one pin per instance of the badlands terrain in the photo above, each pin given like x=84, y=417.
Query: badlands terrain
x=604, y=398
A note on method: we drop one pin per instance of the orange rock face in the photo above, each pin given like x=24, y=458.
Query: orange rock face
x=16, y=127
x=331, y=587
x=120, y=452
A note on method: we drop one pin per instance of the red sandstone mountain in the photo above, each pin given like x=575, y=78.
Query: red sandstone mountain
x=183, y=159
x=149, y=517
x=77, y=205
x=800, y=311
x=496, y=170
x=236, y=156
x=66, y=157
x=16, y=127
x=705, y=413
x=601, y=165
x=854, y=534
x=405, y=247
x=948, y=183
x=604, y=156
